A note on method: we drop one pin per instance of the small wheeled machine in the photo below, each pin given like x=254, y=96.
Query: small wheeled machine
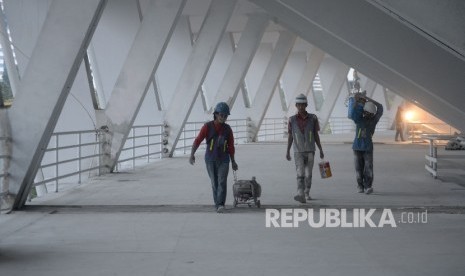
x=246, y=191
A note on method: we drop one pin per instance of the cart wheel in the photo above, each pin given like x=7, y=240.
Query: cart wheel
x=235, y=203
x=258, y=204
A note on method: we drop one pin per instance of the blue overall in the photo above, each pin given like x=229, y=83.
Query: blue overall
x=363, y=143
x=217, y=161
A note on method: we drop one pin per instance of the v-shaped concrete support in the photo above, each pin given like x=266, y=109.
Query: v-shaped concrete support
x=56, y=58
x=241, y=59
x=196, y=68
x=306, y=80
x=332, y=93
x=269, y=81
x=136, y=76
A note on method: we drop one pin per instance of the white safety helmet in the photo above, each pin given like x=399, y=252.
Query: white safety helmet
x=301, y=99
x=370, y=107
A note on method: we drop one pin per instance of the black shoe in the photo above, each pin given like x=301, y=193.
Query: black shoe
x=220, y=209
x=300, y=198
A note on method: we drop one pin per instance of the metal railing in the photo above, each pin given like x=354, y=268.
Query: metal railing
x=432, y=157
x=143, y=143
x=346, y=125
x=341, y=125
x=73, y=157
x=188, y=134
x=272, y=129
x=417, y=130
x=66, y=155
x=191, y=130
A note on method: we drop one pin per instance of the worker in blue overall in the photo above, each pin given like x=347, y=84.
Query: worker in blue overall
x=219, y=153
x=365, y=112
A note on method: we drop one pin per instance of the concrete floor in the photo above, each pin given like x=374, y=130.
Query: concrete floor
x=158, y=220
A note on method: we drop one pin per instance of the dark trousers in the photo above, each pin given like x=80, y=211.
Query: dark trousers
x=399, y=130
x=364, y=168
x=218, y=172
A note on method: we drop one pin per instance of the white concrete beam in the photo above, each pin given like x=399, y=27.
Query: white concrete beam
x=99, y=94
x=52, y=68
x=245, y=94
x=370, y=87
x=158, y=94
x=136, y=75
x=383, y=48
x=8, y=59
x=241, y=59
x=332, y=93
x=269, y=81
x=196, y=68
x=308, y=75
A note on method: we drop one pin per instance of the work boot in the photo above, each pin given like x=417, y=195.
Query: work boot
x=300, y=198
x=360, y=189
x=307, y=196
x=369, y=191
x=220, y=209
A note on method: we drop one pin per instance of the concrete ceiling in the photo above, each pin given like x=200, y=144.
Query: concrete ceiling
x=415, y=48
x=420, y=59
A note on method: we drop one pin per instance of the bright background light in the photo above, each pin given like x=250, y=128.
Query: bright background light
x=409, y=115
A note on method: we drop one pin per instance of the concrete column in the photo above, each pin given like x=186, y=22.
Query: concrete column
x=13, y=74
x=370, y=87
x=268, y=84
x=98, y=97
x=45, y=86
x=241, y=59
x=5, y=155
x=195, y=71
x=308, y=75
x=158, y=95
x=156, y=89
x=136, y=76
x=332, y=93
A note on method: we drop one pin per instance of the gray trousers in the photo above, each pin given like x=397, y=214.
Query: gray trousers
x=364, y=168
x=304, y=167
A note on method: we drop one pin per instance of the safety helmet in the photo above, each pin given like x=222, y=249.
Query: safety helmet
x=301, y=98
x=222, y=107
x=370, y=107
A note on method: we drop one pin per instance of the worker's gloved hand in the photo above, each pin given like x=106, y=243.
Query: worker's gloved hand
x=288, y=156
x=192, y=160
x=322, y=155
x=234, y=166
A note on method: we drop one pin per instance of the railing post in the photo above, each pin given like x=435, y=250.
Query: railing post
x=133, y=148
x=98, y=139
x=79, y=157
x=431, y=151
x=57, y=165
x=184, y=139
x=435, y=155
x=148, y=144
x=161, y=141
x=274, y=129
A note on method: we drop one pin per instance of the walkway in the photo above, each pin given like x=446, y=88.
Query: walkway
x=158, y=220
